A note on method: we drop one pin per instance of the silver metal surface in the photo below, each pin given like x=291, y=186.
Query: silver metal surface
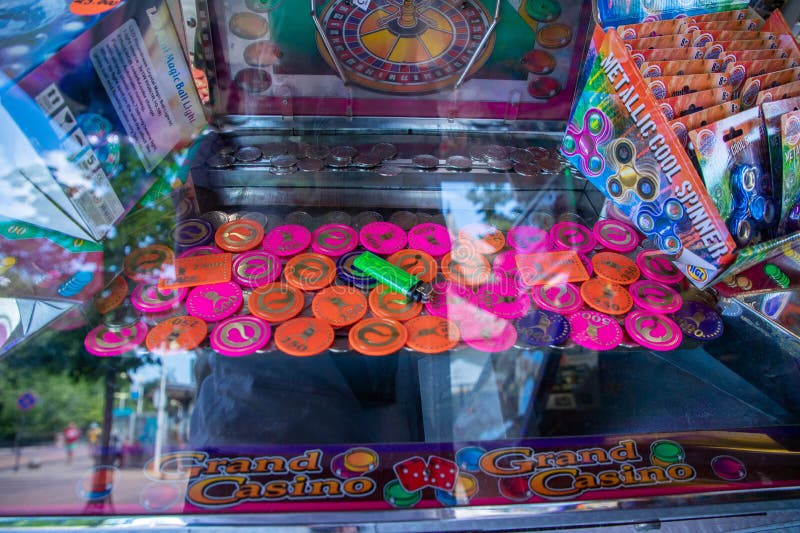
x=482, y=45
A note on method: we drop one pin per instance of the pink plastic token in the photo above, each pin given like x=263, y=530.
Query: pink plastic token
x=200, y=250
x=240, y=335
x=214, y=302
x=595, y=331
x=334, y=240
x=383, y=238
x=433, y=239
x=505, y=267
x=587, y=264
x=288, y=240
x=563, y=299
x=452, y=301
x=616, y=236
x=572, y=236
x=655, y=297
x=504, y=300
x=656, y=332
x=487, y=333
x=104, y=343
x=656, y=266
x=151, y=299
x=529, y=239
x=256, y=268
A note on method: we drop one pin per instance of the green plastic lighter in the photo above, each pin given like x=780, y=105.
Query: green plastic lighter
x=393, y=277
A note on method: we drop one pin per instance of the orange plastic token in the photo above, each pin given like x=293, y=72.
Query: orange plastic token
x=416, y=263
x=606, y=297
x=239, y=235
x=310, y=272
x=146, y=265
x=85, y=8
x=303, y=337
x=276, y=302
x=432, y=334
x=486, y=239
x=360, y=460
x=378, y=336
x=466, y=266
x=385, y=303
x=112, y=297
x=176, y=335
x=339, y=305
x=615, y=268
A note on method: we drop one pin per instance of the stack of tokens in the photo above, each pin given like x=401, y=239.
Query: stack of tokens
x=297, y=291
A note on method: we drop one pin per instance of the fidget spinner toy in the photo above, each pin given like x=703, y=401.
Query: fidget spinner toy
x=628, y=177
x=663, y=224
x=584, y=142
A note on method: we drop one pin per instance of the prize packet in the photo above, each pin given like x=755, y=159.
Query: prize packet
x=683, y=125
x=653, y=69
x=664, y=41
x=773, y=267
x=650, y=29
x=740, y=71
x=716, y=49
x=667, y=54
x=702, y=38
x=789, y=90
x=735, y=56
x=721, y=25
x=772, y=113
x=737, y=14
x=680, y=106
x=669, y=86
x=731, y=156
x=609, y=13
x=752, y=86
x=790, y=191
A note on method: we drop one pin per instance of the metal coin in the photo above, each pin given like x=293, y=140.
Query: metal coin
x=459, y=162
x=538, y=152
x=527, y=169
x=221, y=161
x=217, y=218
x=343, y=152
x=439, y=219
x=255, y=216
x=500, y=165
x=424, y=218
x=317, y=151
x=284, y=161
x=389, y=170
x=121, y=317
x=294, y=148
x=550, y=164
x=386, y=151
x=284, y=171
x=478, y=152
x=274, y=149
x=273, y=221
x=337, y=217
x=335, y=162
x=425, y=161
x=541, y=220
x=518, y=155
x=366, y=217
x=311, y=165
x=227, y=150
x=301, y=218
x=368, y=160
x=248, y=154
x=495, y=151
x=405, y=219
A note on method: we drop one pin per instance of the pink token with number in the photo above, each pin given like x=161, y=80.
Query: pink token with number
x=151, y=299
x=572, y=236
x=201, y=250
x=656, y=266
x=505, y=267
x=595, y=331
x=334, y=240
x=288, y=240
x=487, y=333
x=256, y=268
x=240, y=335
x=616, y=236
x=504, y=300
x=563, y=299
x=105, y=343
x=655, y=297
x=214, y=302
x=529, y=239
x=383, y=238
x=452, y=301
x=433, y=239
x=656, y=332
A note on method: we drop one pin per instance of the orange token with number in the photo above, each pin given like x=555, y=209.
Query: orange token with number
x=310, y=272
x=112, y=297
x=239, y=235
x=304, y=337
x=339, y=305
x=486, y=239
x=464, y=265
x=276, y=302
x=615, y=267
x=416, y=263
x=378, y=336
x=148, y=264
x=386, y=303
x=177, y=335
x=432, y=334
x=606, y=297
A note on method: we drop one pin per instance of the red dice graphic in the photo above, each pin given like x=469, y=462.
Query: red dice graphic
x=412, y=474
x=442, y=473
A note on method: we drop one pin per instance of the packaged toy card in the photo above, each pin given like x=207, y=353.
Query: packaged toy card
x=610, y=14
x=669, y=86
x=731, y=154
x=737, y=14
x=740, y=71
x=790, y=190
x=650, y=29
x=722, y=25
x=667, y=54
x=752, y=86
x=653, y=69
x=771, y=113
x=679, y=106
x=686, y=123
x=734, y=56
x=681, y=40
x=702, y=38
x=778, y=93
x=716, y=49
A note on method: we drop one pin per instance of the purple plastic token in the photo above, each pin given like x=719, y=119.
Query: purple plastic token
x=543, y=328
x=200, y=250
x=699, y=322
x=652, y=331
x=351, y=275
x=616, y=236
x=383, y=238
x=214, y=302
x=572, y=236
x=433, y=239
x=587, y=264
x=728, y=468
x=151, y=299
x=192, y=232
x=334, y=240
x=288, y=240
x=504, y=300
x=452, y=301
x=595, y=331
x=487, y=333
x=240, y=335
x=656, y=266
x=563, y=299
x=105, y=343
x=529, y=239
x=256, y=268
x=655, y=297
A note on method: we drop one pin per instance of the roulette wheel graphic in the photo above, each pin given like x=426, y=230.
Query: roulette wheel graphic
x=405, y=46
